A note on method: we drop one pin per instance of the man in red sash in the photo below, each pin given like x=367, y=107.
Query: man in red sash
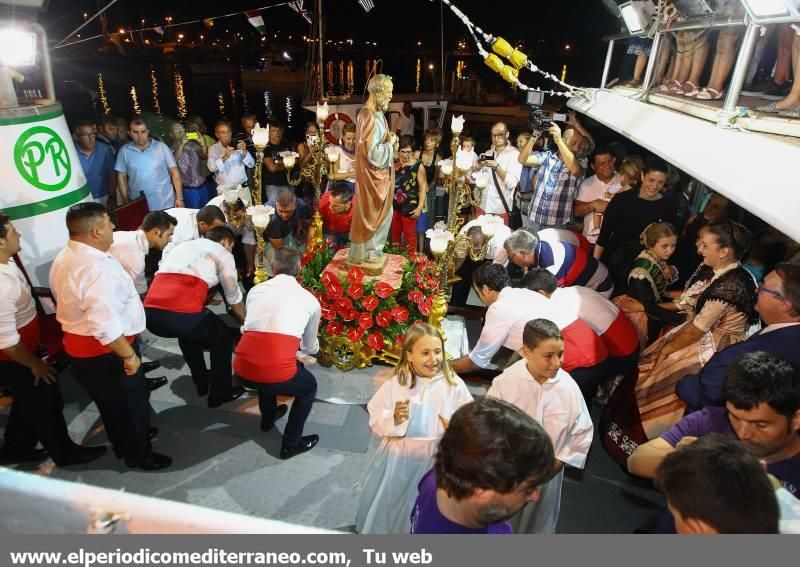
x=282, y=318
x=176, y=308
x=36, y=413
x=101, y=316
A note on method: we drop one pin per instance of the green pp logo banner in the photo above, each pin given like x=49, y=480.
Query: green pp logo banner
x=41, y=158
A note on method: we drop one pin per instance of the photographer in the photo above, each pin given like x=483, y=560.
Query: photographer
x=228, y=159
x=501, y=163
x=560, y=173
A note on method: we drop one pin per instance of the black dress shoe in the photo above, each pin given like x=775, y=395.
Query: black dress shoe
x=156, y=383
x=279, y=413
x=235, y=394
x=14, y=458
x=202, y=389
x=153, y=462
x=150, y=366
x=307, y=442
x=80, y=456
x=152, y=432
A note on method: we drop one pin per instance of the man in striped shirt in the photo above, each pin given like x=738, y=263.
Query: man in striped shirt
x=570, y=263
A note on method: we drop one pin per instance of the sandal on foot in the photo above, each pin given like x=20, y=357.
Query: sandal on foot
x=771, y=108
x=668, y=86
x=708, y=94
x=693, y=92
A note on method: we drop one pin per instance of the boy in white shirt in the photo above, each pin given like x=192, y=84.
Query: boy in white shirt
x=537, y=385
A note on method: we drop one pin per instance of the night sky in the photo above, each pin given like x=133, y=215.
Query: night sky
x=544, y=26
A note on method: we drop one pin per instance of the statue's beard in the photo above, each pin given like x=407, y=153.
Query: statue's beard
x=383, y=104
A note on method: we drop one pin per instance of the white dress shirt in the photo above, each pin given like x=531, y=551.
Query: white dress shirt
x=130, y=248
x=17, y=307
x=94, y=295
x=505, y=321
x=185, y=230
x=587, y=305
x=508, y=160
x=281, y=305
x=557, y=405
x=232, y=171
x=208, y=261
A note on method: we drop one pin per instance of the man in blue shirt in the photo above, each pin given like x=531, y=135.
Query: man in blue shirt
x=147, y=167
x=97, y=161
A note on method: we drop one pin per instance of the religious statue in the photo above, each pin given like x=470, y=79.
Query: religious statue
x=374, y=167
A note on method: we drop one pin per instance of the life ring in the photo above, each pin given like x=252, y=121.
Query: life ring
x=335, y=117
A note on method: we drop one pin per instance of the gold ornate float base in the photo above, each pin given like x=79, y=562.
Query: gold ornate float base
x=347, y=355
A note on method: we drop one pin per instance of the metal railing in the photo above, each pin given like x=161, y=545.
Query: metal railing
x=728, y=110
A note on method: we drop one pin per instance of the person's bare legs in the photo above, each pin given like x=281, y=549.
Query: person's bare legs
x=699, y=54
x=683, y=64
x=665, y=62
x=794, y=95
x=638, y=69
x=783, y=61
x=724, y=58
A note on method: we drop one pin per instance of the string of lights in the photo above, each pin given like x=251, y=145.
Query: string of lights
x=179, y=95
x=135, y=100
x=101, y=88
x=154, y=90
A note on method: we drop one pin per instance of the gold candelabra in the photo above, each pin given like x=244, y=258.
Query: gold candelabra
x=315, y=171
x=448, y=243
x=258, y=213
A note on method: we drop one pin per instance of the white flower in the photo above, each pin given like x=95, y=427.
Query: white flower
x=457, y=124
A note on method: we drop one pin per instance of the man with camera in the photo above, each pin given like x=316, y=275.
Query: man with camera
x=560, y=172
x=502, y=164
x=229, y=160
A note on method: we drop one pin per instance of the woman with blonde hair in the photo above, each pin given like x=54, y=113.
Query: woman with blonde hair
x=411, y=412
x=648, y=281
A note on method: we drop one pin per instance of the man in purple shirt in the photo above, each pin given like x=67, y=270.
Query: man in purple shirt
x=762, y=409
x=489, y=464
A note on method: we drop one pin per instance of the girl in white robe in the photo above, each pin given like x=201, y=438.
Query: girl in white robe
x=410, y=412
x=539, y=387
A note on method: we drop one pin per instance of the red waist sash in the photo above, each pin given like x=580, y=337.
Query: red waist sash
x=621, y=337
x=266, y=357
x=180, y=293
x=81, y=346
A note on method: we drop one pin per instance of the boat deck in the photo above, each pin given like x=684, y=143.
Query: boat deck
x=224, y=462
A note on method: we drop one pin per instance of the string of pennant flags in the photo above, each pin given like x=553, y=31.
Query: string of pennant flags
x=253, y=16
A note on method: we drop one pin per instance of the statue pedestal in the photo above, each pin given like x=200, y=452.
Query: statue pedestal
x=388, y=268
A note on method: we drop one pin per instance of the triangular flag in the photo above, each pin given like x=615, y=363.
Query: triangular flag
x=159, y=30
x=256, y=21
x=209, y=22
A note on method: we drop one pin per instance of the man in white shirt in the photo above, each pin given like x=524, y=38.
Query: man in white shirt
x=176, y=308
x=282, y=318
x=466, y=266
x=130, y=247
x=344, y=169
x=228, y=163
x=192, y=224
x=36, y=411
x=504, y=170
x=101, y=316
x=595, y=192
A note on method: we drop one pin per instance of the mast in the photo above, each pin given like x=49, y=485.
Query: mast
x=321, y=44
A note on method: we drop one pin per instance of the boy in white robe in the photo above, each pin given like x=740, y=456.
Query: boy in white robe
x=539, y=387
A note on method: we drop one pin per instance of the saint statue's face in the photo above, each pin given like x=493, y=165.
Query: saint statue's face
x=385, y=96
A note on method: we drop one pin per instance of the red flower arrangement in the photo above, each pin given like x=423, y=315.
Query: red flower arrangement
x=366, y=309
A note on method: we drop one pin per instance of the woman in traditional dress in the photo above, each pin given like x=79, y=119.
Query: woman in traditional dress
x=411, y=412
x=720, y=302
x=645, y=303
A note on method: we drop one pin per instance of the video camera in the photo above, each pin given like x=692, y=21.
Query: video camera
x=540, y=120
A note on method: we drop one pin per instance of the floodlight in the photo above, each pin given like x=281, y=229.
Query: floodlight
x=637, y=15
x=772, y=11
x=17, y=48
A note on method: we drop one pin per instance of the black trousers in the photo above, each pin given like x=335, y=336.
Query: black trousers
x=122, y=400
x=303, y=387
x=36, y=414
x=195, y=333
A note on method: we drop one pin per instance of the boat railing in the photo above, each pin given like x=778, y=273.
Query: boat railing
x=728, y=112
